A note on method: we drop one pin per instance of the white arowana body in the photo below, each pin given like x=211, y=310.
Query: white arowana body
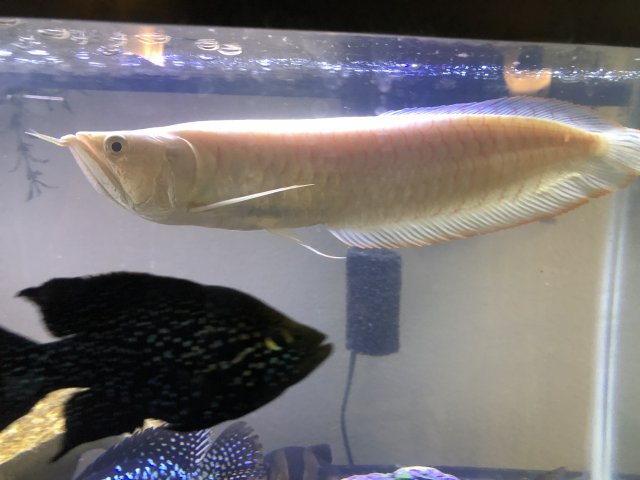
x=407, y=178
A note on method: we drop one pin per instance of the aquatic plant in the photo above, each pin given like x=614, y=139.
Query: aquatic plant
x=18, y=101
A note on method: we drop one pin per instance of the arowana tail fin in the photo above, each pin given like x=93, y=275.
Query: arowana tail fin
x=624, y=149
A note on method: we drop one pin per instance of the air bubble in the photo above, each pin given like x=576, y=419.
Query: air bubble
x=207, y=44
x=54, y=33
x=153, y=38
x=230, y=49
x=26, y=42
x=78, y=36
x=118, y=39
x=9, y=22
x=109, y=50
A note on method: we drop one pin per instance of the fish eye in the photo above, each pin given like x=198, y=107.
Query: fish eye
x=115, y=145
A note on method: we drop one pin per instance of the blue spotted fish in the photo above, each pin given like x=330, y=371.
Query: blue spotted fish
x=159, y=453
x=407, y=473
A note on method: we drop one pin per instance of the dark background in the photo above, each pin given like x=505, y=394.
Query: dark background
x=612, y=22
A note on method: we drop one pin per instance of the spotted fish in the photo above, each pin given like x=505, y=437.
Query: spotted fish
x=158, y=453
x=139, y=346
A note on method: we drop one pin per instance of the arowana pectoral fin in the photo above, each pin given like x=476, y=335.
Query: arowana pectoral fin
x=245, y=198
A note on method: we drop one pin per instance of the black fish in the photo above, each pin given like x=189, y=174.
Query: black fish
x=145, y=346
x=158, y=453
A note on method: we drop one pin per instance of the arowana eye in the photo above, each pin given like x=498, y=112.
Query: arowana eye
x=115, y=145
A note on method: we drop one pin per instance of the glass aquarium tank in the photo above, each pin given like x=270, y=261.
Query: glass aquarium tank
x=503, y=356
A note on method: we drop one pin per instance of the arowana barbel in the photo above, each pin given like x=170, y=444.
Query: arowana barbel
x=406, y=178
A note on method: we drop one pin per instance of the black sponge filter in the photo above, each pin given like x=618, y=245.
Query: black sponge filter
x=373, y=301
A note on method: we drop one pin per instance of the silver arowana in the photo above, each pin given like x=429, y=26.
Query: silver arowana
x=408, y=178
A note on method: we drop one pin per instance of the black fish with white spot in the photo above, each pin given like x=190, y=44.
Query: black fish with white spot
x=158, y=453
x=144, y=346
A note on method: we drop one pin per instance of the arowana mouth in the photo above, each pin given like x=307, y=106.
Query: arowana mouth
x=97, y=171
x=100, y=176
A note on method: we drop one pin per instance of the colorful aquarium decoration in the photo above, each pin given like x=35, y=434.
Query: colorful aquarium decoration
x=407, y=473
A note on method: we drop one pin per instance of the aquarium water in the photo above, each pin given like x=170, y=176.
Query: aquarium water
x=501, y=356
